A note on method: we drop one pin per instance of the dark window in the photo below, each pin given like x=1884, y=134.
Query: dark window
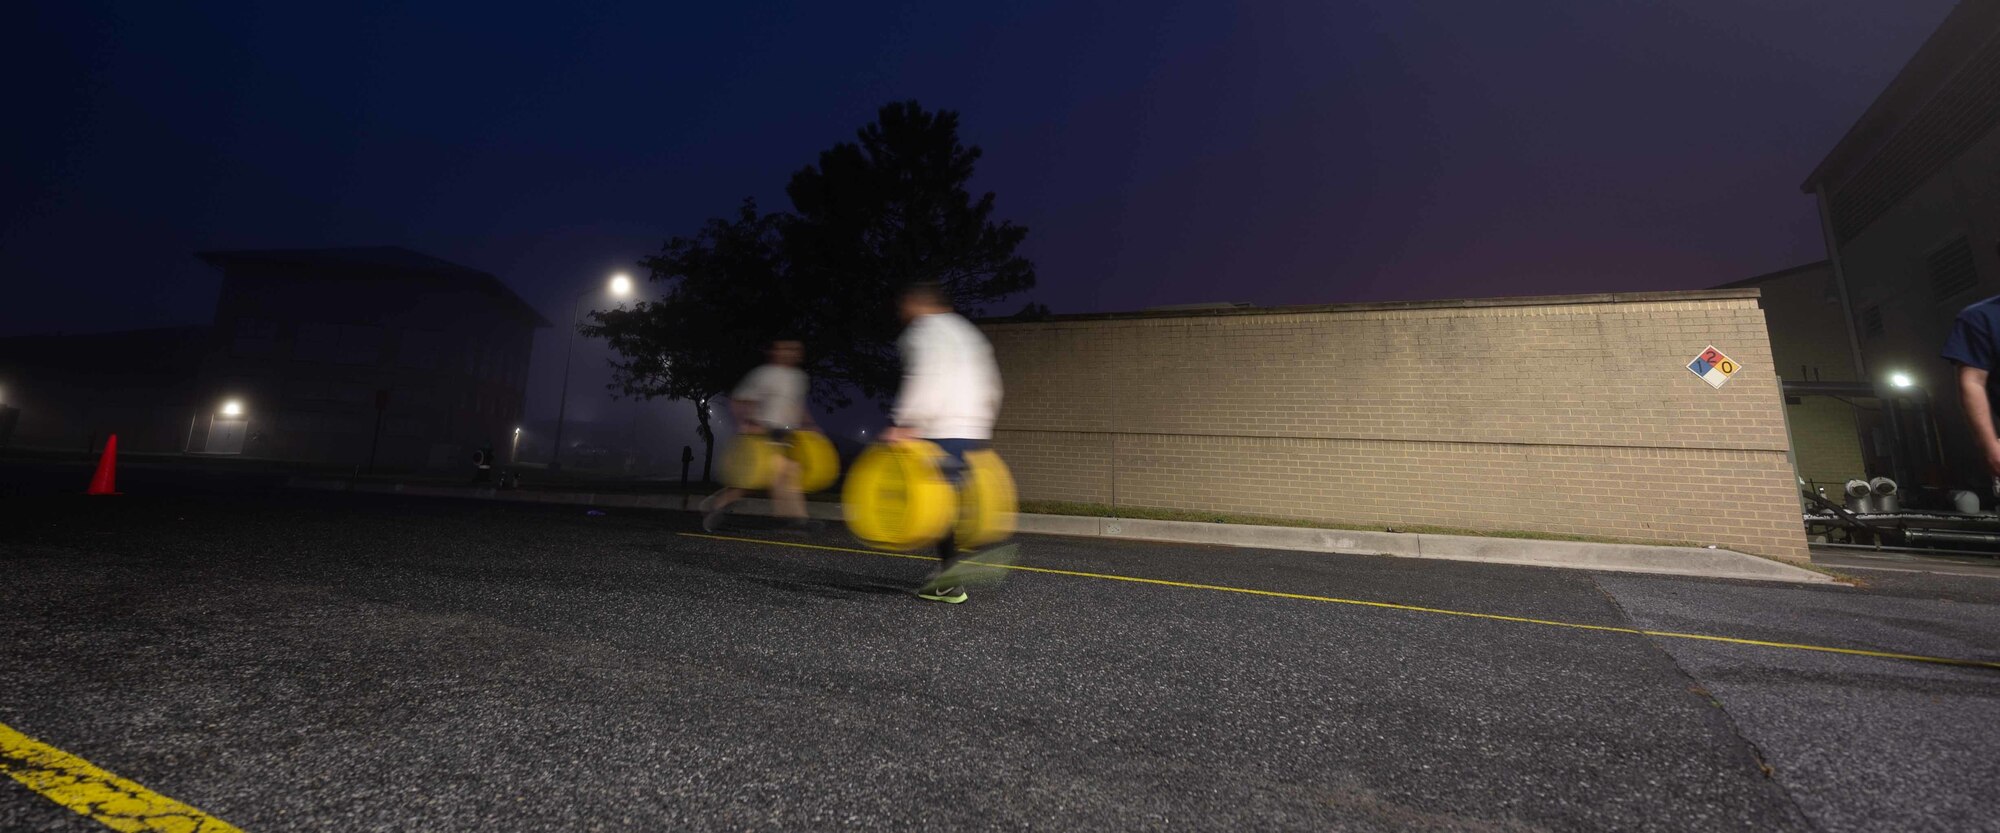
x=309, y=390
x=342, y=343
x=254, y=338
x=1951, y=270
x=360, y=344
x=420, y=349
x=1871, y=321
x=316, y=342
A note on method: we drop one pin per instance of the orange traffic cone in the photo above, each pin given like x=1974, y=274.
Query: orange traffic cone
x=107, y=470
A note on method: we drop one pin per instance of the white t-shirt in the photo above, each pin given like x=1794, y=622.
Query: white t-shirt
x=951, y=385
x=779, y=394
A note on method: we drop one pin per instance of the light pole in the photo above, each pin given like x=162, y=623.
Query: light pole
x=620, y=287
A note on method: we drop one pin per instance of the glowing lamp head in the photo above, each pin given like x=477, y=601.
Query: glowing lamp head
x=1901, y=380
x=621, y=285
x=232, y=408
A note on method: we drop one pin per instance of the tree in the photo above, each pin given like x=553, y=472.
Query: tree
x=891, y=209
x=871, y=217
x=726, y=296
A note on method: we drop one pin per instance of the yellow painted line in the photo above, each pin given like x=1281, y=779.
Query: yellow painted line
x=1792, y=646
x=112, y=801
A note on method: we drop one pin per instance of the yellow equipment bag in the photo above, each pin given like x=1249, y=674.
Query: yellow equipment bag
x=748, y=462
x=819, y=464
x=895, y=499
x=987, y=502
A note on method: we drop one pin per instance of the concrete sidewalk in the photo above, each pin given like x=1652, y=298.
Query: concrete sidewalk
x=1632, y=558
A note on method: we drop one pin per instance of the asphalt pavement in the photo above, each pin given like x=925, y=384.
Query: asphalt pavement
x=314, y=661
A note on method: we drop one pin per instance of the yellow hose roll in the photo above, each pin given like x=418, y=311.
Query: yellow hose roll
x=748, y=462
x=987, y=503
x=895, y=499
x=819, y=465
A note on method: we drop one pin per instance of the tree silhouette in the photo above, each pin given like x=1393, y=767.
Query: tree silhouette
x=871, y=217
x=726, y=297
x=885, y=211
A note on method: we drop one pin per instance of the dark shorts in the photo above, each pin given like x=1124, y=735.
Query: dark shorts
x=953, y=467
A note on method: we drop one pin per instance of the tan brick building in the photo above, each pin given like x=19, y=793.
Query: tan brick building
x=1809, y=345
x=1573, y=415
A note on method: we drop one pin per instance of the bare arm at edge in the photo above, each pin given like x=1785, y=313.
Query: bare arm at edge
x=1979, y=414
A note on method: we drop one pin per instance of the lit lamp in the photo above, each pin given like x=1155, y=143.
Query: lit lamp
x=1900, y=379
x=232, y=408
x=620, y=286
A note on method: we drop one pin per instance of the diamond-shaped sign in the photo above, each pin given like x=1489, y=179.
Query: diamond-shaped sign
x=1713, y=367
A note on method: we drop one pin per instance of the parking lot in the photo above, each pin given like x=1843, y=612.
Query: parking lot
x=313, y=661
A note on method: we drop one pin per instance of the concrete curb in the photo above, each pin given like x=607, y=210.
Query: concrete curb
x=1630, y=558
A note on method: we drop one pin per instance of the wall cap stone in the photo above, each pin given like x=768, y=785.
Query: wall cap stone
x=1732, y=294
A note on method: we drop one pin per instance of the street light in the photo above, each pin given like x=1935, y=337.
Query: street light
x=232, y=408
x=620, y=286
x=1901, y=380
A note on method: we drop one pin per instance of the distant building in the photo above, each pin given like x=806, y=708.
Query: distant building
x=1831, y=413
x=71, y=391
x=334, y=356
x=1910, y=204
x=319, y=347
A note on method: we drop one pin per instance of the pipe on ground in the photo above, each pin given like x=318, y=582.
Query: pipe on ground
x=1951, y=538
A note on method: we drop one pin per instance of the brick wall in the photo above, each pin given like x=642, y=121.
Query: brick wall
x=1826, y=443
x=1564, y=415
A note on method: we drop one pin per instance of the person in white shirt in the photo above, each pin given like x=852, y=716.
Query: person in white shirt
x=771, y=401
x=950, y=396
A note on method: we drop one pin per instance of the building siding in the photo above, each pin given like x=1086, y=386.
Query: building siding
x=1559, y=417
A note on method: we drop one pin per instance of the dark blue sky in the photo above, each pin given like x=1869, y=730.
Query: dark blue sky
x=1272, y=152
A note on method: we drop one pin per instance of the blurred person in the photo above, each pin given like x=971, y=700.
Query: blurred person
x=482, y=461
x=771, y=402
x=1974, y=348
x=950, y=396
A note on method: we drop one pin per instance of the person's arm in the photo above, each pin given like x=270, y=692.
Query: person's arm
x=913, y=396
x=1979, y=413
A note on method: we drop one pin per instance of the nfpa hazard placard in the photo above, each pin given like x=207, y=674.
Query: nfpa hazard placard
x=1713, y=367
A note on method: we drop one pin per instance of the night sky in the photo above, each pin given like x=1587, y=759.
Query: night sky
x=1270, y=152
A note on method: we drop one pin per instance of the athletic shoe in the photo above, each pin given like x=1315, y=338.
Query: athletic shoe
x=948, y=595
x=712, y=521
